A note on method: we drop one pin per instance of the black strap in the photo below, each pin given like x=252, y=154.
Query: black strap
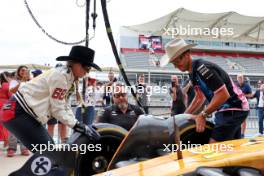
x=114, y=49
x=87, y=23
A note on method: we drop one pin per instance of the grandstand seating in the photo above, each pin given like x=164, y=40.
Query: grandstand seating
x=141, y=60
x=250, y=65
x=230, y=64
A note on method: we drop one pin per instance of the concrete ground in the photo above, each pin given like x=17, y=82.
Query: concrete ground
x=10, y=164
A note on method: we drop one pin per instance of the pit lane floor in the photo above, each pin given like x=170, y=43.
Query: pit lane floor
x=7, y=164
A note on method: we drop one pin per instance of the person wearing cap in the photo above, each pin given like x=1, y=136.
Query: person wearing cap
x=43, y=97
x=210, y=82
x=36, y=72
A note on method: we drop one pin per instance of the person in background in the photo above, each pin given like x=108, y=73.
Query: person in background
x=259, y=83
x=259, y=95
x=22, y=76
x=99, y=95
x=108, y=86
x=74, y=97
x=141, y=88
x=86, y=111
x=90, y=100
x=178, y=98
x=121, y=113
x=5, y=94
x=246, y=89
x=62, y=129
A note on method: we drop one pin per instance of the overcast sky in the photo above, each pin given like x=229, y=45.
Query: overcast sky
x=21, y=41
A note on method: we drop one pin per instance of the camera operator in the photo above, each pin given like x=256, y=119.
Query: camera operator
x=178, y=106
x=108, y=86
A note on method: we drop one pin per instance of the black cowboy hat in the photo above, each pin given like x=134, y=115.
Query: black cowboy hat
x=81, y=54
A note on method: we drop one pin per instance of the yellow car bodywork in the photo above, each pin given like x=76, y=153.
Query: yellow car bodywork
x=243, y=152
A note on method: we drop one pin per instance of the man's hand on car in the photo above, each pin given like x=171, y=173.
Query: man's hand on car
x=200, y=122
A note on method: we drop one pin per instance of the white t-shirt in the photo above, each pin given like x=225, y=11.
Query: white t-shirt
x=261, y=102
x=90, y=96
x=99, y=94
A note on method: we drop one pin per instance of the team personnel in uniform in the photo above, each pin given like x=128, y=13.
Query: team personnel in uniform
x=43, y=97
x=212, y=83
x=121, y=113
